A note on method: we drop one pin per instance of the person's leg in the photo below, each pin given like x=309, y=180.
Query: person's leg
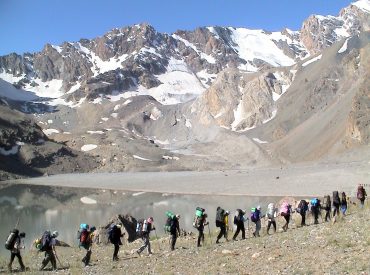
x=115, y=252
x=199, y=237
x=237, y=231
x=141, y=249
x=12, y=255
x=268, y=226
x=219, y=236
x=53, y=260
x=173, y=241
x=274, y=225
x=243, y=230
x=46, y=260
x=20, y=261
x=258, y=228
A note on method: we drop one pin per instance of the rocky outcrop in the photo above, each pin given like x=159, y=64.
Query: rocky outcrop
x=241, y=101
x=319, y=32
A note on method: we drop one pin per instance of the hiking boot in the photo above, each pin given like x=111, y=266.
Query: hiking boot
x=217, y=241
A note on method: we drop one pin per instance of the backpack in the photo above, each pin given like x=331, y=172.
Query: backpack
x=271, y=211
x=199, y=211
x=255, y=215
x=169, y=221
x=45, y=243
x=238, y=216
x=220, y=215
x=314, y=202
x=10, y=241
x=84, y=237
x=302, y=207
x=139, y=227
x=285, y=208
x=326, y=203
x=336, y=199
x=111, y=232
x=360, y=193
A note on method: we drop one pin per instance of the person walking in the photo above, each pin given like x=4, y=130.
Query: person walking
x=174, y=230
x=114, y=236
x=336, y=205
x=327, y=207
x=256, y=218
x=146, y=229
x=285, y=211
x=49, y=242
x=239, y=222
x=86, y=238
x=315, y=209
x=200, y=223
x=15, y=250
x=271, y=215
x=220, y=222
x=361, y=195
x=343, y=204
x=302, y=209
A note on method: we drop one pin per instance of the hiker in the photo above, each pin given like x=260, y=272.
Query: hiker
x=285, y=211
x=226, y=221
x=343, y=204
x=114, y=236
x=239, y=222
x=336, y=205
x=86, y=235
x=271, y=215
x=200, y=220
x=327, y=207
x=15, y=243
x=147, y=226
x=302, y=209
x=175, y=230
x=220, y=222
x=256, y=218
x=315, y=209
x=48, y=242
x=361, y=195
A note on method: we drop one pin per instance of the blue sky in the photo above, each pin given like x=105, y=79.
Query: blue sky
x=27, y=25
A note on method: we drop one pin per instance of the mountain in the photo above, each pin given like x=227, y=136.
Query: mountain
x=212, y=98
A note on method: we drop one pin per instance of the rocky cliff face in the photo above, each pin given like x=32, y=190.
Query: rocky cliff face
x=319, y=32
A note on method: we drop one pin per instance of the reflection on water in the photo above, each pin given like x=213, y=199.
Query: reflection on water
x=67, y=215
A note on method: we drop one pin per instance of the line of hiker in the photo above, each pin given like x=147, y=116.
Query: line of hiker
x=332, y=206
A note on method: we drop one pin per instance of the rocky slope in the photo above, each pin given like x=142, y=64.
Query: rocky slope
x=340, y=248
x=26, y=151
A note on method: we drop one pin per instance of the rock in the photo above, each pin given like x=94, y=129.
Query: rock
x=225, y=251
x=256, y=255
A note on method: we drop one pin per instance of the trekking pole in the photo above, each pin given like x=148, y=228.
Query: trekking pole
x=63, y=267
x=209, y=232
x=16, y=225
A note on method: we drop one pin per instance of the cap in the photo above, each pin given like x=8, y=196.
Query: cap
x=178, y=216
x=55, y=234
x=119, y=225
x=227, y=212
x=258, y=207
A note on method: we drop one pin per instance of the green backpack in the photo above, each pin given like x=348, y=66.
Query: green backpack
x=170, y=216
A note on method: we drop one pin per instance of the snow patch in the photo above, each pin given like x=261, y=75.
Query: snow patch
x=259, y=141
x=312, y=60
x=114, y=115
x=138, y=194
x=251, y=44
x=88, y=147
x=141, y=158
x=344, y=47
x=104, y=118
x=155, y=113
x=87, y=200
x=49, y=132
x=188, y=123
x=363, y=4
